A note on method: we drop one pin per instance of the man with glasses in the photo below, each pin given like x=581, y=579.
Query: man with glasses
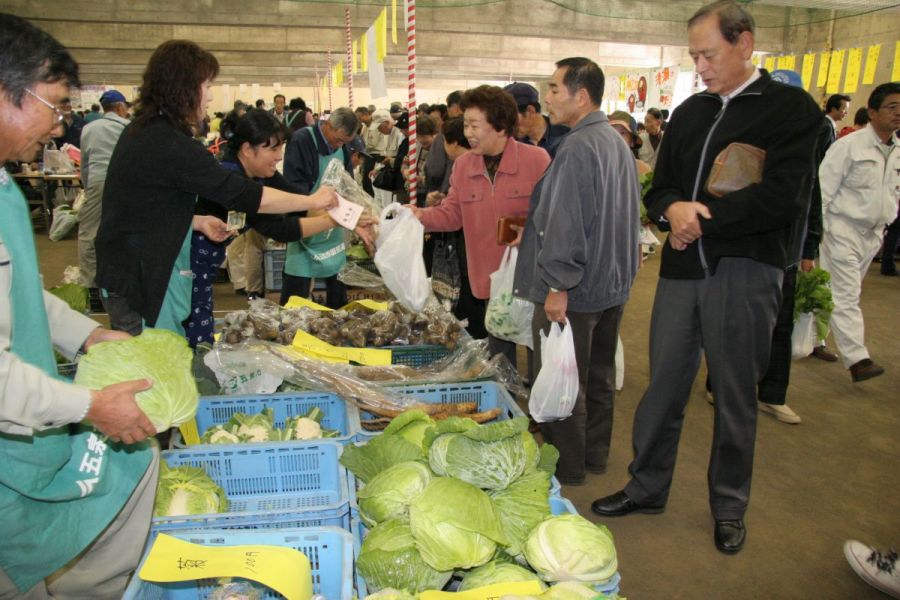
x=72, y=125
x=860, y=180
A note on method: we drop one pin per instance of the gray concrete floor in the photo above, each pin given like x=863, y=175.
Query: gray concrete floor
x=833, y=477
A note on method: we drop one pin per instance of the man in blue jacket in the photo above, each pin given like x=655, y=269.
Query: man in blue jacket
x=721, y=270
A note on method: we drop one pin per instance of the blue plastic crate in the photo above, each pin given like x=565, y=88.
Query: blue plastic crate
x=330, y=553
x=267, y=485
x=339, y=415
x=487, y=394
x=416, y=356
x=558, y=506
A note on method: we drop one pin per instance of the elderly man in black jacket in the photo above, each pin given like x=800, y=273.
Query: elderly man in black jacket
x=721, y=273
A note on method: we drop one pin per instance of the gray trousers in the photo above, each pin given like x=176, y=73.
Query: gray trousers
x=88, y=224
x=583, y=438
x=730, y=317
x=104, y=568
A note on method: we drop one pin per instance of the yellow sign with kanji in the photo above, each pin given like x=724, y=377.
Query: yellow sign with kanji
x=770, y=63
x=895, y=73
x=835, y=69
x=871, y=64
x=822, y=78
x=854, y=66
x=809, y=62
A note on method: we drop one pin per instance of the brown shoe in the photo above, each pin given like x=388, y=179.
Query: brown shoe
x=823, y=353
x=865, y=369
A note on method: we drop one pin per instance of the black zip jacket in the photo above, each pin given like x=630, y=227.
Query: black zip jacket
x=757, y=221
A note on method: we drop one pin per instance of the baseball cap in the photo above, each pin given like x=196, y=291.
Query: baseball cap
x=381, y=116
x=357, y=145
x=523, y=94
x=396, y=108
x=111, y=97
x=402, y=121
x=787, y=77
x=622, y=118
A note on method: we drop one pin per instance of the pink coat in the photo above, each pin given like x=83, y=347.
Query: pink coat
x=475, y=205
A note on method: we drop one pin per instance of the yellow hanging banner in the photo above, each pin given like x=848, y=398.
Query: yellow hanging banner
x=871, y=64
x=835, y=69
x=895, y=73
x=353, y=68
x=822, y=78
x=282, y=569
x=854, y=66
x=364, y=52
x=394, y=21
x=381, y=35
x=809, y=61
x=770, y=63
x=790, y=63
x=755, y=59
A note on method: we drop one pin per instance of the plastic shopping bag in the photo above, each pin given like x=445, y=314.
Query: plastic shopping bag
x=803, y=339
x=556, y=386
x=64, y=220
x=398, y=256
x=620, y=364
x=508, y=317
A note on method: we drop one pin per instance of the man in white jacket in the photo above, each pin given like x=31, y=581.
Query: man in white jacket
x=860, y=180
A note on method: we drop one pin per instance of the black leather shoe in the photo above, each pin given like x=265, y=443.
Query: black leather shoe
x=619, y=504
x=730, y=536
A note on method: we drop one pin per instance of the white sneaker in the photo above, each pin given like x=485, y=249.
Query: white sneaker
x=782, y=412
x=881, y=571
x=709, y=397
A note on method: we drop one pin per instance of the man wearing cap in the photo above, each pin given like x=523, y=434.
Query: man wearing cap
x=98, y=140
x=626, y=126
x=533, y=127
x=358, y=156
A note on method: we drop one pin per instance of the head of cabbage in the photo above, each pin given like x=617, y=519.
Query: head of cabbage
x=455, y=525
x=388, y=494
x=497, y=572
x=157, y=354
x=570, y=548
x=389, y=559
x=411, y=425
x=187, y=490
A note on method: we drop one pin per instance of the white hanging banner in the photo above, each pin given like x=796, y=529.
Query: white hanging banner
x=377, y=80
x=226, y=103
x=254, y=93
x=242, y=93
x=276, y=86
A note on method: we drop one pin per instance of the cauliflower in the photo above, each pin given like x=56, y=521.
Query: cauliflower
x=306, y=429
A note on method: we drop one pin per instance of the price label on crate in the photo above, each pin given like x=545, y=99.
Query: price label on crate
x=308, y=343
x=298, y=302
x=284, y=570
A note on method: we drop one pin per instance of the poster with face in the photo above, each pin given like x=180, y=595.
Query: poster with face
x=632, y=99
x=641, y=92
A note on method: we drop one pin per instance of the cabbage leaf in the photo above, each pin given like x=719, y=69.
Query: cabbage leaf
x=389, y=559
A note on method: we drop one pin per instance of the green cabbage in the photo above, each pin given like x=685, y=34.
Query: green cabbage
x=494, y=572
x=455, y=525
x=378, y=454
x=521, y=507
x=187, y=490
x=571, y=590
x=487, y=456
x=388, y=494
x=156, y=354
x=389, y=559
x=570, y=548
x=76, y=296
x=390, y=594
x=411, y=425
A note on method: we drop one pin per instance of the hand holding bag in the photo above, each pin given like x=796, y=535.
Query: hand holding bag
x=398, y=256
x=555, y=389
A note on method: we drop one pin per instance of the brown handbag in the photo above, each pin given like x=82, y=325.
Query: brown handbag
x=736, y=167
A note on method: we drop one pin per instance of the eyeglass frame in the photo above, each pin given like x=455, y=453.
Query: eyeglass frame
x=59, y=115
x=892, y=107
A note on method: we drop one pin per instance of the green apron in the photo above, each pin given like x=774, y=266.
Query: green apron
x=322, y=254
x=176, y=306
x=59, y=488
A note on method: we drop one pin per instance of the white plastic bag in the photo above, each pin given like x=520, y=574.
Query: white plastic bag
x=556, y=386
x=508, y=317
x=803, y=339
x=64, y=220
x=398, y=256
x=620, y=364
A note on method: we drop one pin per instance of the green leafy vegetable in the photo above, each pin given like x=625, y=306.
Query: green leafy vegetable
x=571, y=590
x=187, y=490
x=378, y=454
x=390, y=594
x=488, y=456
x=159, y=355
x=411, y=425
x=646, y=181
x=494, y=572
x=388, y=494
x=571, y=548
x=521, y=507
x=455, y=525
x=389, y=559
x=76, y=296
x=813, y=295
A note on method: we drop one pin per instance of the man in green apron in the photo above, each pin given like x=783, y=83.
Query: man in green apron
x=320, y=256
x=75, y=499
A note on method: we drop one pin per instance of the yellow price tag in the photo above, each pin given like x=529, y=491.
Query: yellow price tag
x=189, y=432
x=367, y=304
x=488, y=592
x=309, y=343
x=298, y=302
x=284, y=570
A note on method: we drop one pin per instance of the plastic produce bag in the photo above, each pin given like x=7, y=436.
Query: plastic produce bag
x=803, y=339
x=620, y=364
x=556, y=386
x=398, y=256
x=64, y=220
x=508, y=317
x=336, y=176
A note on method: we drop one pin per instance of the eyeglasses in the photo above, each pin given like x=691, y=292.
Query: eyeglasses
x=45, y=102
x=892, y=107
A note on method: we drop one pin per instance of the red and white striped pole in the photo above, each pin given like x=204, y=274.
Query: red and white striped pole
x=411, y=73
x=349, y=57
x=330, y=78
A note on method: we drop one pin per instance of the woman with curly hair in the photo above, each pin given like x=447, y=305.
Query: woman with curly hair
x=155, y=176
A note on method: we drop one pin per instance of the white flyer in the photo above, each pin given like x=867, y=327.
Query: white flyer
x=346, y=213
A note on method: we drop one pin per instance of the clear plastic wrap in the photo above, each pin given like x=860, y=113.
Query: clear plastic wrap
x=337, y=177
x=236, y=590
x=354, y=275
